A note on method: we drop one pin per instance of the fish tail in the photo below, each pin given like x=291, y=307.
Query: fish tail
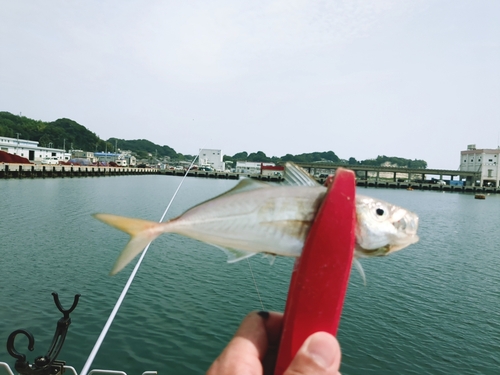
x=141, y=232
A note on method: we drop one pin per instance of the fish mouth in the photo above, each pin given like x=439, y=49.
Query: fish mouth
x=379, y=252
x=387, y=249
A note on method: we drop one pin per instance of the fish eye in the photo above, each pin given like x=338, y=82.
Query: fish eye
x=379, y=211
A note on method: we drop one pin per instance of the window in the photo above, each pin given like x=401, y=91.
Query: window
x=490, y=160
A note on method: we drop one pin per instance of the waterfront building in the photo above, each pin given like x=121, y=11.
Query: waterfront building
x=211, y=158
x=273, y=171
x=123, y=159
x=31, y=151
x=484, y=161
x=80, y=154
x=250, y=167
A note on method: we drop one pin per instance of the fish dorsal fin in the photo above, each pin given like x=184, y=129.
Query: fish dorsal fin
x=294, y=175
x=246, y=185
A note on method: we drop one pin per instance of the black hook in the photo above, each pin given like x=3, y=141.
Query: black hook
x=10, y=344
x=46, y=364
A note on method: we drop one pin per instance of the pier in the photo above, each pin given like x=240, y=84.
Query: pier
x=10, y=170
x=364, y=172
x=365, y=176
x=423, y=186
x=203, y=174
x=405, y=178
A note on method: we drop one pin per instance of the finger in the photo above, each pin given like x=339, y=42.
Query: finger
x=319, y=355
x=245, y=351
x=273, y=325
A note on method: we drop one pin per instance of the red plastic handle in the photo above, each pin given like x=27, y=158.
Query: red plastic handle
x=321, y=274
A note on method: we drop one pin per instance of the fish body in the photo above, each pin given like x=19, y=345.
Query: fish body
x=256, y=217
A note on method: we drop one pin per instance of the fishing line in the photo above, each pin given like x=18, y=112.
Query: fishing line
x=255, y=283
x=112, y=316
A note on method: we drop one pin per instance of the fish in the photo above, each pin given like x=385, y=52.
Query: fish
x=260, y=217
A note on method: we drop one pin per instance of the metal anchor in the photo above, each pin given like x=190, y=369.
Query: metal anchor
x=47, y=364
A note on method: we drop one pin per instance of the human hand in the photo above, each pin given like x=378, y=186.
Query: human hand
x=254, y=347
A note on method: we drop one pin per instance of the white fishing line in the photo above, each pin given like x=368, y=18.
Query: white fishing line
x=105, y=330
x=255, y=283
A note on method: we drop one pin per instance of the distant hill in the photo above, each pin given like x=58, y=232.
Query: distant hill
x=66, y=133
x=143, y=147
x=58, y=134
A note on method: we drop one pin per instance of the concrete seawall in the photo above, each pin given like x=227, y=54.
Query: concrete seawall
x=199, y=173
x=10, y=170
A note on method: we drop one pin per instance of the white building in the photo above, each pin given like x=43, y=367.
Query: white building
x=212, y=158
x=31, y=151
x=483, y=160
x=80, y=154
x=123, y=159
x=250, y=167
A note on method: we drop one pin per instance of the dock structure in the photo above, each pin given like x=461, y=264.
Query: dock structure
x=200, y=173
x=404, y=178
x=426, y=186
x=11, y=170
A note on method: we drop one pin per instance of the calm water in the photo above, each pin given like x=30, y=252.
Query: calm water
x=431, y=309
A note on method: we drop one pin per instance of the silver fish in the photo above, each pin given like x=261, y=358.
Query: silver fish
x=257, y=217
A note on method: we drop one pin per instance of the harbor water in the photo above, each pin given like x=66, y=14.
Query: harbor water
x=432, y=308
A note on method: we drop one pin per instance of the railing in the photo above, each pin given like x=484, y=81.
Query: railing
x=6, y=367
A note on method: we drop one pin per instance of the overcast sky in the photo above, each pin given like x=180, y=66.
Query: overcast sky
x=407, y=78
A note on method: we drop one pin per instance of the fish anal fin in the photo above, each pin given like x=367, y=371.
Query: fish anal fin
x=235, y=255
x=270, y=257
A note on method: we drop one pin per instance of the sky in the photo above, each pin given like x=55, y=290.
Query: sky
x=418, y=79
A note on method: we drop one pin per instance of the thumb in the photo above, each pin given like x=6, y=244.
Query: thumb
x=319, y=355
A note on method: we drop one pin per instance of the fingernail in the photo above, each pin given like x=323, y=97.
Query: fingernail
x=320, y=349
x=263, y=314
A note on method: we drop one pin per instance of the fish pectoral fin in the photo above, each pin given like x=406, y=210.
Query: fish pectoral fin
x=235, y=255
x=358, y=266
